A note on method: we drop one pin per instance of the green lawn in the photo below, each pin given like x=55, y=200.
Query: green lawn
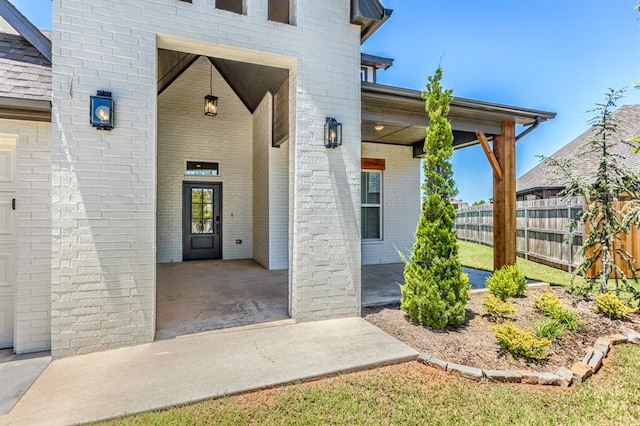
x=413, y=394
x=480, y=256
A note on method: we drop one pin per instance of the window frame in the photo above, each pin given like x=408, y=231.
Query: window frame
x=232, y=10
x=378, y=205
x=273, y=8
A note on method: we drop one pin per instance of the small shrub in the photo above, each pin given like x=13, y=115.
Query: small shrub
x=548, y=328
x=520, y=342
x=547, y=302
x=497, y=308
x=610, y=305
x=551, y=306
x=506, y=282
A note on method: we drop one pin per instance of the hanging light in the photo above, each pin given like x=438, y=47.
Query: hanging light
x=210, y=101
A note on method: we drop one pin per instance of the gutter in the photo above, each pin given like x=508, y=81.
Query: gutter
x=529, y=129
x=25, y=109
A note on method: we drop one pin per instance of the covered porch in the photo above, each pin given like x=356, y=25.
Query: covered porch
x=205, y=295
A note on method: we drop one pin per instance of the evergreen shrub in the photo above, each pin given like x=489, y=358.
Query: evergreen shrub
x=521, y=342
x=509, y=281
x=497, y=308
x=610, y=305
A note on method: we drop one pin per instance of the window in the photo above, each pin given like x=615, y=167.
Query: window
x=230, y=5
x=199, y=168
x=279, y=11
x=371, y=210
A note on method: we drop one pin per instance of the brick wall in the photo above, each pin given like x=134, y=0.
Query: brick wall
x=400, y=203
x=32, y=316
x=104, y=183
x=185, y=133
x=261, y=146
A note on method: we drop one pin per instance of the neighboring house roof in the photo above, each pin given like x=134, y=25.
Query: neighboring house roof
x=628, y=117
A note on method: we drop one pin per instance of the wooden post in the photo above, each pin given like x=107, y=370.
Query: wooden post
x=504, y=197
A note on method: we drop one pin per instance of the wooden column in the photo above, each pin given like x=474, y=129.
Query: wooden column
x=504, y=197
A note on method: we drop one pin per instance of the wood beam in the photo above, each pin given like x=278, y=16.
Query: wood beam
x=504, y=197
x=497, y=170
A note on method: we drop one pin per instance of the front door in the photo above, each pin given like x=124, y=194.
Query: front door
x=201, y=217
x=7, y=238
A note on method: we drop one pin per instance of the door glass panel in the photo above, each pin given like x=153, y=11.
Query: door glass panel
x=207, y=196
x=201, y=211
x=196, y=226
x=196, y=195
x=196, y=211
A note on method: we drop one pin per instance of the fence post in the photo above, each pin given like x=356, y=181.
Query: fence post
x=570, y=250
x=526, y=230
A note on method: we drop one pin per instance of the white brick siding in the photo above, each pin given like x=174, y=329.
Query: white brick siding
x=185, y=133
x=104, y=183
x=261, y=146
x=32, y=315
x=400, y=203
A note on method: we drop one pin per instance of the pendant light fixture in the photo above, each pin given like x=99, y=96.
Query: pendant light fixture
x=210, y=101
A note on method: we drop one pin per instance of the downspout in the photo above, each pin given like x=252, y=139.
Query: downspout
x=529, y=129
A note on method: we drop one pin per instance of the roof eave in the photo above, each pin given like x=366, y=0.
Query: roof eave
x=370, y=15
x=524, y=116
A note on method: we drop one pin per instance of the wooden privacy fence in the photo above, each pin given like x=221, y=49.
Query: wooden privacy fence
x=541, y=226
x=629, y=242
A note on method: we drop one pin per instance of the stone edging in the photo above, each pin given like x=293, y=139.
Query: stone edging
x=563, y=376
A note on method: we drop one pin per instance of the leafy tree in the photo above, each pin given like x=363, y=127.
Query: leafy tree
x=435, y=292
x=606, y=214
x=479, y=203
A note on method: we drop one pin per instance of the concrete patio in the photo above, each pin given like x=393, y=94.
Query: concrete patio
x=212, y=294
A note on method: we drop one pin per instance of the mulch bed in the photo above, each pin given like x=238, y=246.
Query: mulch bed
x=473, y=343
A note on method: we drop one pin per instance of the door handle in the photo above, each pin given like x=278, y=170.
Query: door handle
x=13, y=204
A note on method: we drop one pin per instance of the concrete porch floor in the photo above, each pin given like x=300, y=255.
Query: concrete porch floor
x=198, y=296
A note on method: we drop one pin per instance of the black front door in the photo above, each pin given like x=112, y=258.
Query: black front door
x=201, y=221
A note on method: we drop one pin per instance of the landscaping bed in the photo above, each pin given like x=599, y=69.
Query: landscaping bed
x=474, y=345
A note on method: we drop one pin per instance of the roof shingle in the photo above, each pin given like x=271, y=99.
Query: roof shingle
x=628, y=117
x=24, y=72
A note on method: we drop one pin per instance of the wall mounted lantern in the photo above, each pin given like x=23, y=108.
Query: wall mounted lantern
x=101, y=110
x=332, y=133
x=210, y=101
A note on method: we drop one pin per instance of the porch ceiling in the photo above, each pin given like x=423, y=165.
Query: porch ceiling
x=250, y=82
x=401, y=112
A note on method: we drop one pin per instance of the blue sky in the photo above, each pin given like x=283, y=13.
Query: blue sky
x=554, y=55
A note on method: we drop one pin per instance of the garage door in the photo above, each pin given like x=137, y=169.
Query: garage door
x=7, y=238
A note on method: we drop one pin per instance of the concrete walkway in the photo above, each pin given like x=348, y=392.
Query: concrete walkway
x=196, y=367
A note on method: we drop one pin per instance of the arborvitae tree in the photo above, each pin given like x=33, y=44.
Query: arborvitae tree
x=436, y=290
x=607, y=214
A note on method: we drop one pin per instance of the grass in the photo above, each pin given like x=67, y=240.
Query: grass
x=479, y=256
x=413, y=394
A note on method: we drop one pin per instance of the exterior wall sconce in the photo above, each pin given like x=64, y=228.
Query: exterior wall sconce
x=101, y=111
x=332, y=133
x=210, y=101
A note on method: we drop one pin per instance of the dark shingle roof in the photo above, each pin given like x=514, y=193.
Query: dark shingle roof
x=24, y=72
x=628, y=117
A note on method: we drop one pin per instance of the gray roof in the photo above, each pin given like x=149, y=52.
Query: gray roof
x=628, y=118
x=24, y=72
